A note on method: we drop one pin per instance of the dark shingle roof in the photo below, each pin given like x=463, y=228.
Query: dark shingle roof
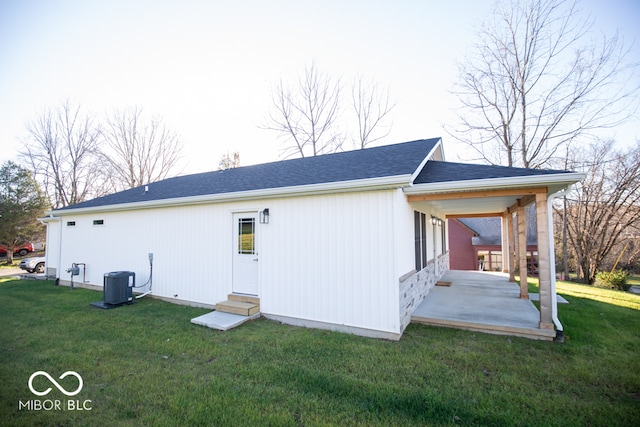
x=489, y=230
x=446, y=171
x=484, y=227
x=378, y=162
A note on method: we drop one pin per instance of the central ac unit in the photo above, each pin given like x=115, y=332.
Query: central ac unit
x=118, y=287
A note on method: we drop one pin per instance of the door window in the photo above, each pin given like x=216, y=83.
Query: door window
x=246, y=236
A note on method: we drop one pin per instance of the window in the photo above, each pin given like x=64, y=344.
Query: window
x=71, y=223
x=420, y=239
x=98, y=222
x=489, y=260
x=246, y=236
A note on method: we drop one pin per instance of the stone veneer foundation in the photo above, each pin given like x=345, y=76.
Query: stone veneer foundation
x=416, y=285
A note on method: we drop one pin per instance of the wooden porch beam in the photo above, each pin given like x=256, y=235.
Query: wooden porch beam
x=527, y=200
x=505, y=242
x=478, y=194
x=522, y=252
x=513, y=254
x=545, y=258
x=523, y=201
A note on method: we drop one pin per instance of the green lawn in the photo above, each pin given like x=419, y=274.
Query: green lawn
x=145, y=364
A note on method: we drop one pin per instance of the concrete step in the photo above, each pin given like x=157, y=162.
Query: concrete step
x=222, y=321
x=238, y=307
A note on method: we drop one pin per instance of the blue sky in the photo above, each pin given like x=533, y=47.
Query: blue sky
x=207, y=66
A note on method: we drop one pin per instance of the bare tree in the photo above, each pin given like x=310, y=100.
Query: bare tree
x=307, y=116
x=139, y=150
x=229, y=161
x=625, y=254
x=372, y=107
x=604, y=207
x=62, y=151
x=536, y=81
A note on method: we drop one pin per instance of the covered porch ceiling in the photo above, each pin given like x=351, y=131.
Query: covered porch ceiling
x=477, y=198
x=476, y=204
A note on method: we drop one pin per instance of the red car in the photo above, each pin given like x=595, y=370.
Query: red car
x=21, y=250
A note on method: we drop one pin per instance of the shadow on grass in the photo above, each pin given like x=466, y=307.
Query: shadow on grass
x=375, y=402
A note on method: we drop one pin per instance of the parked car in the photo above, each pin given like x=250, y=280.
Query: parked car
x=33, y=265
x=21, y=250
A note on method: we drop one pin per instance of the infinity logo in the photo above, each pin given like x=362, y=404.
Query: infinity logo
x=43, y=393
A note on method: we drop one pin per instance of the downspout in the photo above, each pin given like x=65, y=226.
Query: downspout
x=59, y=268
x=46, y=220
x=552, y=266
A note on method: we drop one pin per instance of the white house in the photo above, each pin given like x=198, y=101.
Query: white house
x=350, y=241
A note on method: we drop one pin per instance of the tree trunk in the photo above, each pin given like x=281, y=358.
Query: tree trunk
x=585, y=268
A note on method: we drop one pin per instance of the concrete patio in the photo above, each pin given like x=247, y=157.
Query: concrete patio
x=484, y=302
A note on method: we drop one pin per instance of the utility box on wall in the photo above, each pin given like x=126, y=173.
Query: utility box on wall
x=118, y=287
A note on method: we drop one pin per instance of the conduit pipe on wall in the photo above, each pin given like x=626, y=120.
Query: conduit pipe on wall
x=552, y=266
x=150, y=281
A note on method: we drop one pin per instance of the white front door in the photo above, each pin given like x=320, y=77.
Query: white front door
x=245, y=253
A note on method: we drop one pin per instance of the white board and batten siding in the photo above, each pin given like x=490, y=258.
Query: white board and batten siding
x=52, y=254
x=331, y=259
x=190, y=249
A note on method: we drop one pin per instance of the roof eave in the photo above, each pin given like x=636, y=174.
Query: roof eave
x=49, y=218
x=369, y=184
x=555, y=183
x=462, y=224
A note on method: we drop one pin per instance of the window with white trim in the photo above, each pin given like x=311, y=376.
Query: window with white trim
x=420, y=239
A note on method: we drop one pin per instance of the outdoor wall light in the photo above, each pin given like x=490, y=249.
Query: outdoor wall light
x=264, y=216
x=436, y=221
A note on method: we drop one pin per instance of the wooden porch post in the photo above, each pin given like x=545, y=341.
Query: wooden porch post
x=512, y=247
x=505, y=243
x=544, y=262
x=522, y=250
